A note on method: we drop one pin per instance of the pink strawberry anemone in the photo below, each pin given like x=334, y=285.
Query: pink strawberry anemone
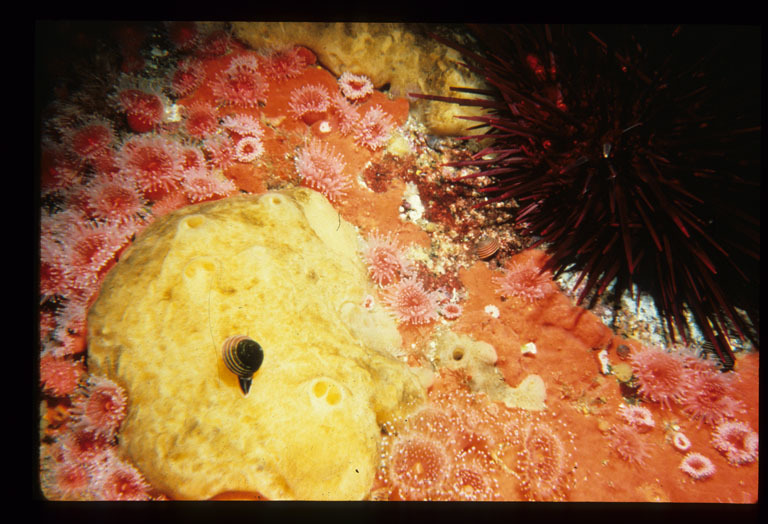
x=201, y=119
x=374, y=129
x=92, y=139
x=697, y=466
x=638, y=417
x=681, y=442
x=524, y=280
x=155, y=162
x=309, y=102
x=144, y=110
x=661, y=375
x=385, y=259
x=737, y=442
x=322, y=169
x=187, y=77
x=450, y=311
x=709, y=398
x=355, y=87
x=59, y=376
x=410, y=302
x=103, y=407
x=628, y=444
x=248, y=149
x=116, y=199
x=282, y=64
x=241, y=84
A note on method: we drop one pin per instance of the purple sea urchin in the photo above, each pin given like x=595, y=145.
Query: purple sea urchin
x=633, y=152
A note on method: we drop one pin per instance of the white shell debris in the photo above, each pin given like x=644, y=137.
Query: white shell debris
x=415, y=208
x=605, y=364
x=172, y=113
x=492, y=310
x=528, y=349
x=324, y=127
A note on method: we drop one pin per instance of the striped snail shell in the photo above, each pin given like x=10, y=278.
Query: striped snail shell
x=243, y=357
x=486, y=247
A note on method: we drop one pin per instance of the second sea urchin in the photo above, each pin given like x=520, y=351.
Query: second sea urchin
x=633, y=152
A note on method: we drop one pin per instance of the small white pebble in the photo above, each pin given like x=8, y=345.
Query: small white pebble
x=324, y=127
x=172, y=113
x=681, y=442
x=528, y=349
x=605, y=364
x=416, y=208
x=492, y=310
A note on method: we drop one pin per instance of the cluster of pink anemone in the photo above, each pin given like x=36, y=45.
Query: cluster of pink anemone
x=401, y=290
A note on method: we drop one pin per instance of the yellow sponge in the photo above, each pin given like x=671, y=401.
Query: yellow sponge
x=276, y=268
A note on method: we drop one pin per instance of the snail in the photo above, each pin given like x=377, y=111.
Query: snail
x=486, y=247
x=243, y=357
